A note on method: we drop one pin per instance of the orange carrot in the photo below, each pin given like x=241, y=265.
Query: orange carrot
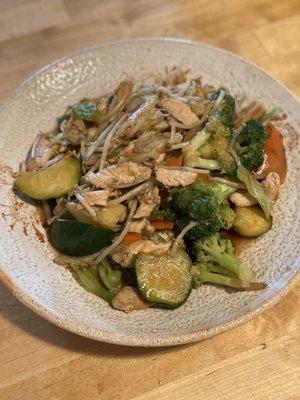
x=131, y=237
x=162, y=224
x=204, y=178
x=275, y=159
x=174, y=161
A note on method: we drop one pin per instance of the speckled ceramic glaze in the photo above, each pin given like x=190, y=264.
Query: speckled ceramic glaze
x=26, y=264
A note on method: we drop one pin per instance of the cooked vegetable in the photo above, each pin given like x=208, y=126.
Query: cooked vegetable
x=174, y=161
x=227, y=216
x=267, y=117
x=110, y=276
x=275, y=158
x=132, y=237
x=215, y=134
x=78, y=238
x=107, y=217
x=251, y=221
x=168, y=167
x=163, y=214
x=86, y=111
x=222, y=191
x=162, y=224
x=164, y=279
x=200, y=204
x=253, y=186
x=250, y=143
x=90, y=280
x=216, y=255
x=50, y=182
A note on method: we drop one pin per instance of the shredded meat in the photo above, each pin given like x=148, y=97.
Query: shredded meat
x=141, y=226
x=126, y=172
x=148, y=202
x=97, y=197
x=141, y=119
x=179, y=110
x=128, y=299
x=40, y=153
x=125, y=254
x=173, y=177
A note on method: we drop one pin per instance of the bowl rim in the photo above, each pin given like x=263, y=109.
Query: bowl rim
x=110, y=336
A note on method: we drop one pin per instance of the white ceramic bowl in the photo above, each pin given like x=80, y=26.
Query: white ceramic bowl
x=26, y=264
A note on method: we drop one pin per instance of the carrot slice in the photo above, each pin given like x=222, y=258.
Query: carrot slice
x=275, y=158
x=131, y=237
x=162, y=224
x=174, y=161
x=204, y=178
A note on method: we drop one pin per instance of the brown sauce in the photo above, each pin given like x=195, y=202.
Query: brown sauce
x=240, y=243
x=275, y=158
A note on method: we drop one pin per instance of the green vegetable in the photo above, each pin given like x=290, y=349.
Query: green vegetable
x=90, y=280
x=106, y=217
x=86, y=110
x=202, y=204
x=227, y=216
x=217, y=255
x=249, y=144
x=164, y=214
x=210, y=148
x=110, y=277
x=164, y=279
x=50, y=182
x=78, y=238
x=255, y=189
x=251, y=222
x=253, y=186
x=271, y=114
x=222, y=191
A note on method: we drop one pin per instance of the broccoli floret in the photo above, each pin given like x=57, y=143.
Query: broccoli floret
x=210, y=148
x=198, y=203
x=250, y=144
x=202, y=204
x=226, y=108
x=164, y=214
x=227, y=216
x=222, y=191
x=216, y=255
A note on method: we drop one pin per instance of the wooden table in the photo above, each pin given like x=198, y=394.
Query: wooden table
x=259, y=360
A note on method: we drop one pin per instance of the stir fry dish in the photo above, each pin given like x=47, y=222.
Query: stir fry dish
x=141, y=186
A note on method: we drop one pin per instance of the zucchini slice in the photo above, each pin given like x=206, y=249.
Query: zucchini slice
x=251, y=221
x=78, y=238
x=164, y=279
x=51, y=182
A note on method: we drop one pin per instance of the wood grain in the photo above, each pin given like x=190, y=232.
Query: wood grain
x=259, y=360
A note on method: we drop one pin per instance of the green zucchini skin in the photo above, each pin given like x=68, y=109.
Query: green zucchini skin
x=78, y=238
x=50, y=182
x=164, y=279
